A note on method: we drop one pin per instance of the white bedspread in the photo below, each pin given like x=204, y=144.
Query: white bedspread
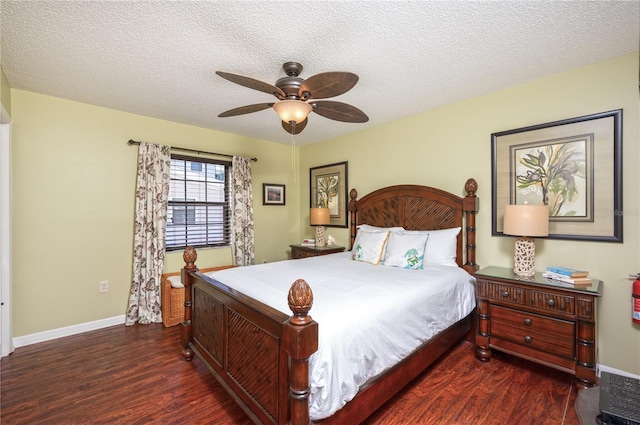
x=369, y=317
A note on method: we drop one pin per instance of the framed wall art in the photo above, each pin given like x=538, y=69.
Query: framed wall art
x=328, y=189
x=273, y=194
x=574, y=166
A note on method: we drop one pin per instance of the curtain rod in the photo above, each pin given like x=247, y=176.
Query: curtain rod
x=135, y=142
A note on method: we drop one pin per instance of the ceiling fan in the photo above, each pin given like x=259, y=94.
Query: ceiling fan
x=298, y=97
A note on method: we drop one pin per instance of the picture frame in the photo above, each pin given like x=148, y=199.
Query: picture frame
x=573, y=165
x=328, y=187
x=273, y=194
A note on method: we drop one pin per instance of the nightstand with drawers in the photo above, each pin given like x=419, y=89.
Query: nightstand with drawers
x=304, y=251
x=549, y=322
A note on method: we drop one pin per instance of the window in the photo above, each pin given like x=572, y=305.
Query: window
x=199, y=207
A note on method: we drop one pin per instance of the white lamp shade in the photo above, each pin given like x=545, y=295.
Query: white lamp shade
x=319, y=216
x=292, y=110
x=526, y=220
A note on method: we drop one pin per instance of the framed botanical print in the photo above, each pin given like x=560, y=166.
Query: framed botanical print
x=574, y=166
x=328, y=189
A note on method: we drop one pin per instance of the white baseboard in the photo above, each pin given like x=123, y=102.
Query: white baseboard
x=608, y=369
x=21, y=341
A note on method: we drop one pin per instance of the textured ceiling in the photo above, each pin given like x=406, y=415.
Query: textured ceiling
x=158, y=58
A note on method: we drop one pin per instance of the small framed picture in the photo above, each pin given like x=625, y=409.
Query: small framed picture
x=272, y=194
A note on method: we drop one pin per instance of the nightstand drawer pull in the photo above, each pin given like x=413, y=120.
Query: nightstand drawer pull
x=505, y=294
x=528, y=339
x=527, y=322
x=551, y=302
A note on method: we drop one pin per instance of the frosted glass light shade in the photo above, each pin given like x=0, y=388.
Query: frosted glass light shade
x=526, y=220
x=292, y=110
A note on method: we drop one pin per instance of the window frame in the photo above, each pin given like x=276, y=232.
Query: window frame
x=190, y=204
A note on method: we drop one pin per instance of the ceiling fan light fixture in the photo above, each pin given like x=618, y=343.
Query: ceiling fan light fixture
x=293, y=94
x=292, y=110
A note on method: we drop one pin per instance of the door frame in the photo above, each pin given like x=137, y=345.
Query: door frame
x=6, y=337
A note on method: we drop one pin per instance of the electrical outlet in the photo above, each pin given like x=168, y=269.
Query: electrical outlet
x=104, y=286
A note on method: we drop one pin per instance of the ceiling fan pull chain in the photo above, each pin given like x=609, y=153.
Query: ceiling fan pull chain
x=293, y=150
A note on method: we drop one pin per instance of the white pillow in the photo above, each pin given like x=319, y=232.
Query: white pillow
x=369, y=246
x=441, y=247
x=405, y=250
x=176, y=281
x=373, y=229
x=379, y=229
x=369, y=228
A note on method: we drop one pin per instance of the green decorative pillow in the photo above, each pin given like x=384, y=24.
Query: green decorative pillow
x=406, y=250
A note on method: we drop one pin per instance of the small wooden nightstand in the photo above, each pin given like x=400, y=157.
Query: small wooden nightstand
x=303, y=251
x=545, y=321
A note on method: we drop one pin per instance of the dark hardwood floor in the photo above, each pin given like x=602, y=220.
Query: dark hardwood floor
x=135, y=375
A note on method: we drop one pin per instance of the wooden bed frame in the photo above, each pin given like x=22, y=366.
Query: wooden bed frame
x=261, y=355
x=173, y=298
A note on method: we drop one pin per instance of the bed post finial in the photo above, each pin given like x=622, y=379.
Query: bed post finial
x=300, y=302
x=353, y=194
x=190, y=256
x=471, y=187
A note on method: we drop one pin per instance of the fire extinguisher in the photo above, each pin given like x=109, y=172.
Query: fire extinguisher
x=635, y=299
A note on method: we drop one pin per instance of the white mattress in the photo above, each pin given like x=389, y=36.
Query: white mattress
x=393, y=311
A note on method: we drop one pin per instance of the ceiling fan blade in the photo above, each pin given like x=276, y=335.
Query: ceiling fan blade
x=327, y=84
x=253, y=84
x=245, y=109
x=339, y=111
x=298, y=128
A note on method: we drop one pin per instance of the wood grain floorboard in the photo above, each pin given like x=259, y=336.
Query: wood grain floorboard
x=136, y=375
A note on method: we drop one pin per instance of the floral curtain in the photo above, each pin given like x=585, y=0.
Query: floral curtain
x=242, y=234
x=152, y=191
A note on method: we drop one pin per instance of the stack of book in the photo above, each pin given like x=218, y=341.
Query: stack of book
x=308, y=242
x=568, y=275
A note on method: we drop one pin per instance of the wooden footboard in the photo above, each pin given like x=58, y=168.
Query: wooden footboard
x=257, y=353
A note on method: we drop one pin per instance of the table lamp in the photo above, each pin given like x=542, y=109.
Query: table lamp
x=525, y=221
x=319, y=217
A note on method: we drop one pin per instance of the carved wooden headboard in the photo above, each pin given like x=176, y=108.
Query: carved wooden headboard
x=416, y=207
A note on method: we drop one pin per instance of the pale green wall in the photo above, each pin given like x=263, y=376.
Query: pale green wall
x=444, y=147
x=5, y=92
x=73, y=187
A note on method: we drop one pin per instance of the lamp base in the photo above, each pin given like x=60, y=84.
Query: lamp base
x=524, y=257
x=320, y=242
